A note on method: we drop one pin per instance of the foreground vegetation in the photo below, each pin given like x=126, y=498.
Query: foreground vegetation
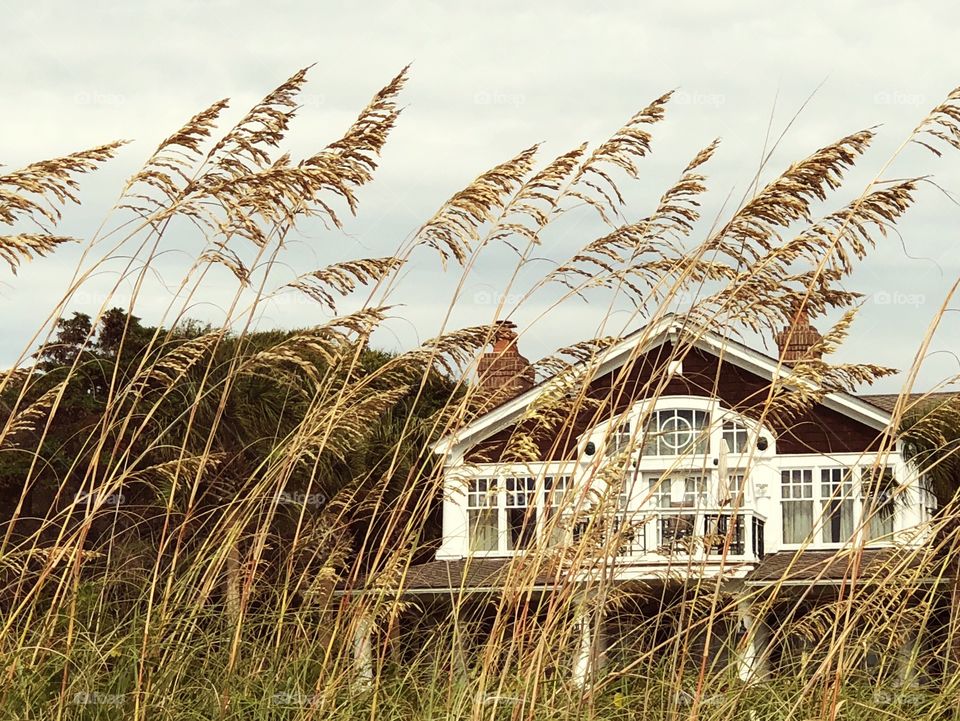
x=181, y=501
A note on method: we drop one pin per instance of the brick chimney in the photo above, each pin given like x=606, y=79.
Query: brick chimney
x=502, y=371
x=796, y=340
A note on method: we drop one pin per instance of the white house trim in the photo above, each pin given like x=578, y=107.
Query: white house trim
x=667, y=329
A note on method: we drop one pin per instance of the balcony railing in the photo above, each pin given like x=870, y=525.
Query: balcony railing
x=704, y=533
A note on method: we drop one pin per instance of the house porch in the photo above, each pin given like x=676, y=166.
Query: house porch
x=729, y=630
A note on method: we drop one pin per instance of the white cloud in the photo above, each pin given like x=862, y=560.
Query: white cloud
x=489, y=79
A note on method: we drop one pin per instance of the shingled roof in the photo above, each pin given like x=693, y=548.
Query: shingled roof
x=474, y=574
x=887, y=401
x=832, y=566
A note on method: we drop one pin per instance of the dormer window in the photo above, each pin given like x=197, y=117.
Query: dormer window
x=676, y=432
x=826, y=504
x=503, y=511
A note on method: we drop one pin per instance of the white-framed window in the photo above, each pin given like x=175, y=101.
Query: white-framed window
x=503, y=512
x=731, y=494
x=831, y=504
x=796, y=494
x=661, y=492
x=695, y=490
x=836, y=504
x=521, y=511
x=556, y=491
x=556, y=505
x=736, y=436
x=677, y=431
x=620, y=439
x=483, y=514
x=877, y=489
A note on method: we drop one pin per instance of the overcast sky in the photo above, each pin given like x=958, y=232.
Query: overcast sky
x=487, y=80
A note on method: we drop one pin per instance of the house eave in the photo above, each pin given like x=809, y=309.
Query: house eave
x=668, y=329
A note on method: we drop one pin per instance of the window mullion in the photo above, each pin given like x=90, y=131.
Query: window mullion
x=856, y=490
x=502, y=530
x=540, y=508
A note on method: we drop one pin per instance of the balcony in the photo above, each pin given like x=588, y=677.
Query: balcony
x=646, y=536
x=654, y=518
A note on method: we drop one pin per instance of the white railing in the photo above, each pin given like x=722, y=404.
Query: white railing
x=648, y=535
x=629, y=527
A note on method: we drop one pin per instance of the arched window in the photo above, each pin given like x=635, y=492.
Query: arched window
x=677, y=431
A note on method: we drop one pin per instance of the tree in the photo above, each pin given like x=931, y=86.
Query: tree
x=249, y=411
x=72, y=334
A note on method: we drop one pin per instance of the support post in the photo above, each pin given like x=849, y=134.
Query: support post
x=458, y=660
x=907, y=661
x=590, y=644
x=753, y=651
x=583, y=661
x=363, y=651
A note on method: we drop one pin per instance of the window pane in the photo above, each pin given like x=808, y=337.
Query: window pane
x=736, y=482
x=677, y=435
x=796, y=490
x=837, y=520
x=483, y=529
x=880, y=527
x=620, y=439
x=522, y=523
x=652, y=435
x=482, y=514
x=878, y=489
x=836, y=488
x=555, y=490
x=694, y=489
x=735, y=435
x=797, y=521
x=556, y=505
x=701, y=436
x=660, y=494
x=521, y=512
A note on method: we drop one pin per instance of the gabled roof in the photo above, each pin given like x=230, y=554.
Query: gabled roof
x=670, y=328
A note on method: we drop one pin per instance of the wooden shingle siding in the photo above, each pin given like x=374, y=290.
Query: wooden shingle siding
x=820, y=430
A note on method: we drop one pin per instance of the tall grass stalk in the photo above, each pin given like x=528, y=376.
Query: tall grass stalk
x=207, y=593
